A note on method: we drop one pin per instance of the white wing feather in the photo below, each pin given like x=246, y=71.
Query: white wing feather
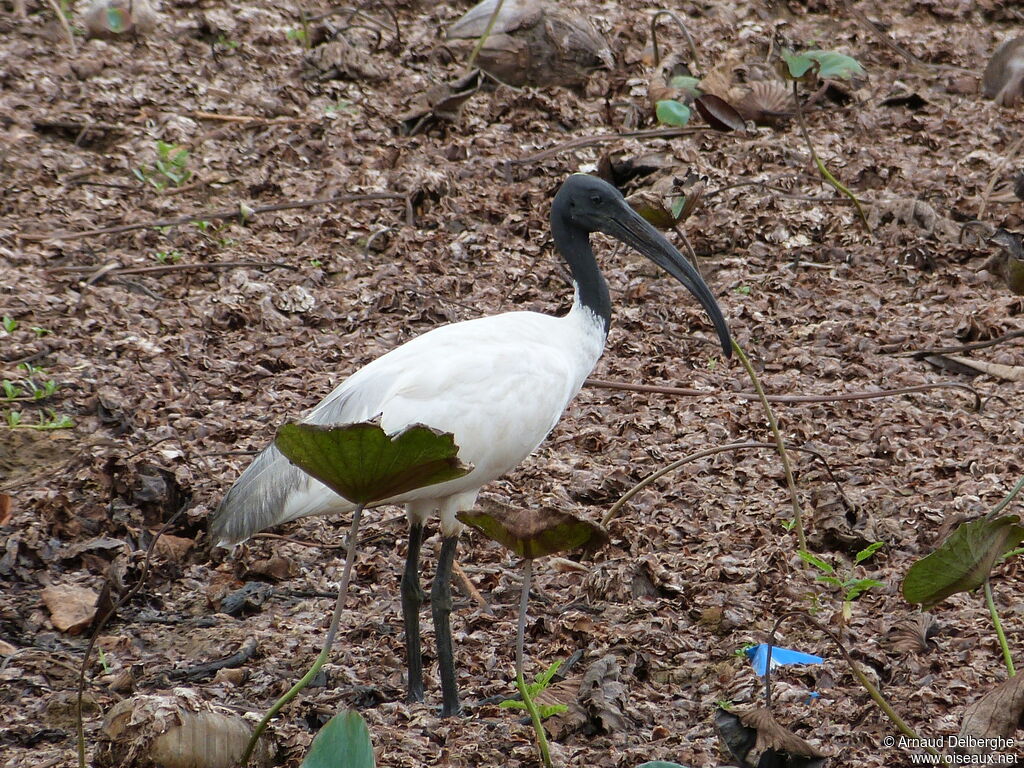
x=499, y=384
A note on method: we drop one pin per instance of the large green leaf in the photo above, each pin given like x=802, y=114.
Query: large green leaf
x=364, y=464
x=532, y=534
x=344, y=742
x=672, y=112
x=828, y=65
x=963, y=561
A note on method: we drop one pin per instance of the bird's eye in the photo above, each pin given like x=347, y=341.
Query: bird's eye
x=596, y=199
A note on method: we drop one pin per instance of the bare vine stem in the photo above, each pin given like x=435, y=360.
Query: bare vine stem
x=774, y=425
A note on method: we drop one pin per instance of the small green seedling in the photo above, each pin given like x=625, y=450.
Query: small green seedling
x=40, y=332
x=49, y=420
x=298, y=35
x=169, y=169
x=540, y=683
x=807, y=67
x=10, y=325
x=168, y=257
x=27, y=389
x=343, y=106
x=847, y=583
x=744, y=290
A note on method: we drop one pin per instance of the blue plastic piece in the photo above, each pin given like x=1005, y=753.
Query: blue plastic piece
x=781, y=657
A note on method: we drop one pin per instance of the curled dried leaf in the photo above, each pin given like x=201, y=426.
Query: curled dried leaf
x=766, y=102
x=755, y=737
x=914, y=634
x=996, y=715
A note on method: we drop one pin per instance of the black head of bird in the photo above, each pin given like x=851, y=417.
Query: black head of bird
x=586, y=204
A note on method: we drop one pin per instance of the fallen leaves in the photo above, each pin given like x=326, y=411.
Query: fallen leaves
x=71, y=608
x=996, y=715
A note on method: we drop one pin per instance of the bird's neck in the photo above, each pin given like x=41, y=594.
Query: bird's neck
x=591, y=289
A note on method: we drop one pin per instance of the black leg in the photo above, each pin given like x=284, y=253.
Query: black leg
x=441, y=608
x=412, y=599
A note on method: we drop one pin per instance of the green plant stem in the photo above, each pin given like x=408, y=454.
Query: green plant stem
x=1006, y=501
x=780, y=443
x=873, y=692
x=487, y=33
x=350, y=556
x=825, y=173
x=538, y=726
x=991, y=603
x=686, y=34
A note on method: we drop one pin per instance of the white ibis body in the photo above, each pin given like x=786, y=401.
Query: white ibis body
x=498, y=383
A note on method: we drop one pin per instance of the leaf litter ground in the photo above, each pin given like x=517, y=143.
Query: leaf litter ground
x=168, y=374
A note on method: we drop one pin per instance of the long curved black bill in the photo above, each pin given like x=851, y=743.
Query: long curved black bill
x=631, y=228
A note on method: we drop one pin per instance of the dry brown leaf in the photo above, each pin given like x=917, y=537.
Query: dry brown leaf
x=997, y=714
x=911, y=212
x=178, y=730
x=766, y=102
x=603, y=697
x=839, y=525
x=174, y=548
x=339, y=59
x=275, y=567
x=773, y=735
x=71, y=608
x=914, y=634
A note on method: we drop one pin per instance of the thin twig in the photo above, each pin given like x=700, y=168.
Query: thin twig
x=233, y=213
x=887, y=41
x=586, y=141
x=470, y=588
x=655, y=476
x=107, y=270
x=922, y=353
x=662, y=390
x=200, y=115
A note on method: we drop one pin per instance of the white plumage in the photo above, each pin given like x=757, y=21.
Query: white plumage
x=499, y=384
